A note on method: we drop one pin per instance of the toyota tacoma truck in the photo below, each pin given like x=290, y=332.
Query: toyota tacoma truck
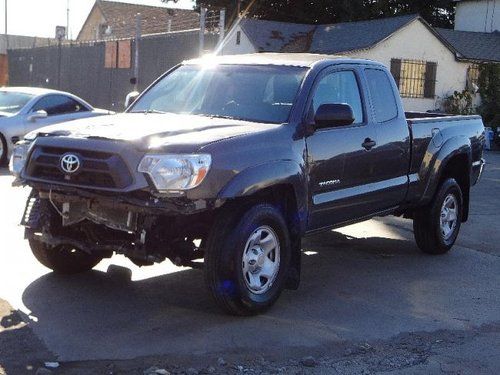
x=225, y=163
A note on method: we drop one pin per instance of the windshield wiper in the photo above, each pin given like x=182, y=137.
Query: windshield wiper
x=149, y=111
x=221, y=116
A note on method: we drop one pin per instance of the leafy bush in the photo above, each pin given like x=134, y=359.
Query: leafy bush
x=489, y=89
x=460, y=103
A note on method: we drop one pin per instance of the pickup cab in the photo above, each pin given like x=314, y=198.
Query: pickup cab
x=226, y=163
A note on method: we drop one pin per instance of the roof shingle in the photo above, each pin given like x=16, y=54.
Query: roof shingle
x=351, y=36
x=273, y=36
x=121, y=17
x=472, y=45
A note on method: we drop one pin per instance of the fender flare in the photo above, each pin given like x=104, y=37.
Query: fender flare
x=437, y=159
x=257, y=178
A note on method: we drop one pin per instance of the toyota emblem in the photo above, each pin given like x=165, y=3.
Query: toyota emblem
x=70, y=163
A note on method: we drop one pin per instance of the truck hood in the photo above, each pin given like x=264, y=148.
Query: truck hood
x=153, y=131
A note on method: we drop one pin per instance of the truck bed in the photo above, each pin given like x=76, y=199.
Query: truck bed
x=442, y=130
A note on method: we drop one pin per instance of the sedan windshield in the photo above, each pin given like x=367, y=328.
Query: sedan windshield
x=246, y=92
x=13, y=102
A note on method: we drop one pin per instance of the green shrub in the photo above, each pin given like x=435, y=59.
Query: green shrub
x=489, y=89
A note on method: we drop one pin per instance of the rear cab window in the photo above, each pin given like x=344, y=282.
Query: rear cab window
x=381, y=91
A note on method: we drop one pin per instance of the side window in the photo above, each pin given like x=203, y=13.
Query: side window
x=382, y=94
x=59, y=105
x=337, y=88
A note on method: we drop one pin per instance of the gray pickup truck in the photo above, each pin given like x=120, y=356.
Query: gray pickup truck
x=225, y=163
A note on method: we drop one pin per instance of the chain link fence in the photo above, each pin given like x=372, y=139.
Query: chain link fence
x=101, y=72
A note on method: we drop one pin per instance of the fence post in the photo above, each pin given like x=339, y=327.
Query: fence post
x=138, y=33
x=59, y=64
x=203, y=16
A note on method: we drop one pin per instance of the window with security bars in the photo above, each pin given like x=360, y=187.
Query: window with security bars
x=415, y=78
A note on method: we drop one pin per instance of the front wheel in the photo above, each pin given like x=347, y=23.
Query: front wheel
x=63, y=259
x=247, y=259
x=436, y=226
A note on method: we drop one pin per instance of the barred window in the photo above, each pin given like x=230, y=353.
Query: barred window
x=473, y=78
x=415, y=78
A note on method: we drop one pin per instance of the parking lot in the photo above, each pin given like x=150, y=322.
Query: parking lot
x=369, y=301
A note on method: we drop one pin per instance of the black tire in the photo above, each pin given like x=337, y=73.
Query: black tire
x=3, y=154
x=427, y=221
x=62, y=259
x=225, y=249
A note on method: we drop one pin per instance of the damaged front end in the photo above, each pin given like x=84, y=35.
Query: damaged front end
x=143, y=228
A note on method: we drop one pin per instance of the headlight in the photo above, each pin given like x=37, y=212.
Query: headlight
x=18, y=158
x=176, y=172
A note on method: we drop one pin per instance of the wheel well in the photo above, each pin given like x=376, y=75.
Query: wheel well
x=283, y=197
x=458, y=168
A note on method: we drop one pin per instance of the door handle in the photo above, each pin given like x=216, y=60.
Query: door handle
x=368, y=144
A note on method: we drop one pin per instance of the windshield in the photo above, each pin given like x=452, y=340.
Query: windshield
x=246, y=92
x=13, y=102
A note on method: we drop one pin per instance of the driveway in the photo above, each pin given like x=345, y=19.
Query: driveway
x=363, y=284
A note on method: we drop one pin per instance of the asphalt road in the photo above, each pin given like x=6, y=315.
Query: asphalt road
x=363, y=283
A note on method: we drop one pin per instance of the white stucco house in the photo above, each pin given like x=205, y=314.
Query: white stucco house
x=424, y=61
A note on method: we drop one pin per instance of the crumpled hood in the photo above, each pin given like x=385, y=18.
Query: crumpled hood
x=155, y=130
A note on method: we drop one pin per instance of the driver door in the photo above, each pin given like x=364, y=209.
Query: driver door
x=339, y=163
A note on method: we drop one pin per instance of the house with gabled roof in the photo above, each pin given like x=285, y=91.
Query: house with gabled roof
x=428, y=64
x=117, y=20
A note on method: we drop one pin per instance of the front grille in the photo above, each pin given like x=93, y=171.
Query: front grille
x=97, y=169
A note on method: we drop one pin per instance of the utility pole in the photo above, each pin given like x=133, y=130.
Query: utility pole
x=222, y=26
x=6, y=26
x=238, y=7
x=67, y=21
x=6, y=18
x=203, y=17
x=138, y=33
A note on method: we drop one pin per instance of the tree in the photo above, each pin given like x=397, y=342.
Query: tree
x=438, y=13
x=489, y=89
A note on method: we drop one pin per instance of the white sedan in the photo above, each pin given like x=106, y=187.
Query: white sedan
x=23, y=110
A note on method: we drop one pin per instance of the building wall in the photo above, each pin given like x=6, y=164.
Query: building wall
x=19, y=41
x=451, y=75
x=90, y=30
x=480, y=16
x=231, y=47
x=4, y=70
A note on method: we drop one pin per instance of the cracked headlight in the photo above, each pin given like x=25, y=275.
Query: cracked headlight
x=176, y=172
x=18, y=158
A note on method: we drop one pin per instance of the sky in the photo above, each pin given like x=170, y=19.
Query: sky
x=40, y=17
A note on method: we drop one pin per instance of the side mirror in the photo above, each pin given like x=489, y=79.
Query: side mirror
x=332, y=115
x=131, y=98
x=38, y=115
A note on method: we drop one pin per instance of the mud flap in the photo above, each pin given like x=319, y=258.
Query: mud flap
x=293, y=279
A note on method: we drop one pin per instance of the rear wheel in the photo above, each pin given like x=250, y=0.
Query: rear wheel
x=436, y=226
x=63, y=259
x=247, y=259
x=3, y=150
